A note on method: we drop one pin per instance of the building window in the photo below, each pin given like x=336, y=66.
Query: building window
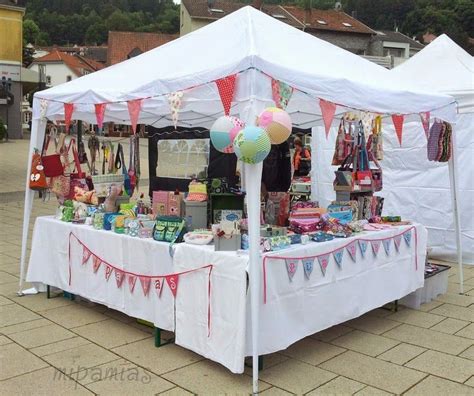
x=396, y=52
x=68, y=78
x=48, y=80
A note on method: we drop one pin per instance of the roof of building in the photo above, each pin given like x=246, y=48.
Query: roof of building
x=122, y=44
x=330, y=20
x=76, y=63
x=397, y=37
x=97, y=53
x=429, y=37
x=220, y=8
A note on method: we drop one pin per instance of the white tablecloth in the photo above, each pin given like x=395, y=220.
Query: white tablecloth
x=293, y=310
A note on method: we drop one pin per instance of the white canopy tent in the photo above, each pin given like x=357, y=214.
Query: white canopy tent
x=257, y=47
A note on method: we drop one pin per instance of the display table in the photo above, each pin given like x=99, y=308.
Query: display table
x=217, y=324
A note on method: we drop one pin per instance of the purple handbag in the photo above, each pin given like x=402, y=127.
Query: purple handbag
x=433, y=140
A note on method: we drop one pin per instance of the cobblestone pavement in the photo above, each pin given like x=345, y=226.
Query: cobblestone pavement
x=58, y=346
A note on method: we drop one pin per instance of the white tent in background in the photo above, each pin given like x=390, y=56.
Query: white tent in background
x=257, y=47
x=420, y=189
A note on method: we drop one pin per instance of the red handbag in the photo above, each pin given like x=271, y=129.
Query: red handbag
x=52, y=165
x=37, y=177
x=78, y=178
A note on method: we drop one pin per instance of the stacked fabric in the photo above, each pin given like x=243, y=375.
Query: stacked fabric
x=439, y=141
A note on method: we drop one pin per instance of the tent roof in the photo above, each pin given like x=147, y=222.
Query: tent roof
x=254, y=45
x=444, y=67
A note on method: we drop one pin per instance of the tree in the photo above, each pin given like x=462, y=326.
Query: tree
x=119, y=21
x=96, y=34
x=31, y=31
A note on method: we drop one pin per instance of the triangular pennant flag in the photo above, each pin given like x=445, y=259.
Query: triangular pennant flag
x=226, y=87
x=397, y=120
x=425, y=121
x=407, y=237
x=119, y=277
x=323, y=263
x=328, y=109
x=145, y=281
x=108, y=271
x=172, y=281
x=363, y=246
x=43, y=108
x=68, y=110
x=397, y=240
x=86, y=254
x=174, y=99
x=338, y=254
x=134, y=107
x=351, y=248
x=132, y=280
x=291, y=265
x=99, y=113
x=308, y=267
x=158, y=284
x=375, y=247
x=96, y=262
x=281, y=93
x=386, y=245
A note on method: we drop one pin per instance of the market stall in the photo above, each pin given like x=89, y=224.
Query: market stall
x=256, y=62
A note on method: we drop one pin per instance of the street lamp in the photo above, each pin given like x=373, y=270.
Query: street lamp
x=6, y=90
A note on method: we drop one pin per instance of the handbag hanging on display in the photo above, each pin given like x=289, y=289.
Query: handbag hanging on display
x=52, y=164
x=77, y=178
x=120, y=164
x=37, y=177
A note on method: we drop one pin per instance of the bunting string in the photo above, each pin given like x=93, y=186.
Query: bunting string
x=158, y=281
x=323, y=257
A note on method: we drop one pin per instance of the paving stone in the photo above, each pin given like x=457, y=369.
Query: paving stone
x=47, y=381
x=41, y=336
x=366, y=343
x=382, y=312
x=455, y=311
x=177, y=391
x=296, y=377
x=467, y=332
x=443, y=365
x=73, y=315
x=80, y=358
x=338, y=386
x=13, y=314
x=5, y=301
x=450, y=325
x=17, y=360
x=456, y=299
x=111, y=370
x=7, y=278
x=371, y=391
x=207, y=378
x=39, y=302
x=374, y=372
x=401, y=354
x=332, y=333
x=111, y=333
x=429, y=339
x=119, y=316
x=416, y=318
x=4, y=340
x=60, y=346
x=157, y=360
x=33, y=324
x=470, y=382
x=435, y=386
x=372, y=324
x=268, y=361
x=312, y=351
x=468, y=353
x=427, y=307
x=274, y=391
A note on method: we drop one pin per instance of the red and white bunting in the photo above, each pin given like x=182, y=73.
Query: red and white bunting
x=132, y=280
x=43, y=108
x=68, y=110
x=226, y=87
x=100, y=113
x=172, y=281
x=375, y=246
x=119, y=277
x=158, y=284
x=175, y=102
x=96, y=262
x=134, y=108
x=323, y=263
x=397, y=120
x=86, y=254
x=108, y=271
x=328, y=109
x=145, y=281
x=425, y=121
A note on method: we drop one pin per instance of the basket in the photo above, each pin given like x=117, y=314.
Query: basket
x=102, y=183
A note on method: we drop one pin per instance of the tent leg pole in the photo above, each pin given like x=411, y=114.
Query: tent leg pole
x=457, y=224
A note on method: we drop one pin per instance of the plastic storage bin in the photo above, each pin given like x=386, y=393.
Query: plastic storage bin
x=195, y=215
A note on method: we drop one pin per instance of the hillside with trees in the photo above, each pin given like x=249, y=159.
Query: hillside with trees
x=71, y=22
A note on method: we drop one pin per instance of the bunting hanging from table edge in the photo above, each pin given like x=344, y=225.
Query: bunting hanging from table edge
x=172, y=280
x=323, y=259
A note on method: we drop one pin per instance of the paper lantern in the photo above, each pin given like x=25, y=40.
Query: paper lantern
x=252, y=145
x=224, y=131
x=277, y=123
